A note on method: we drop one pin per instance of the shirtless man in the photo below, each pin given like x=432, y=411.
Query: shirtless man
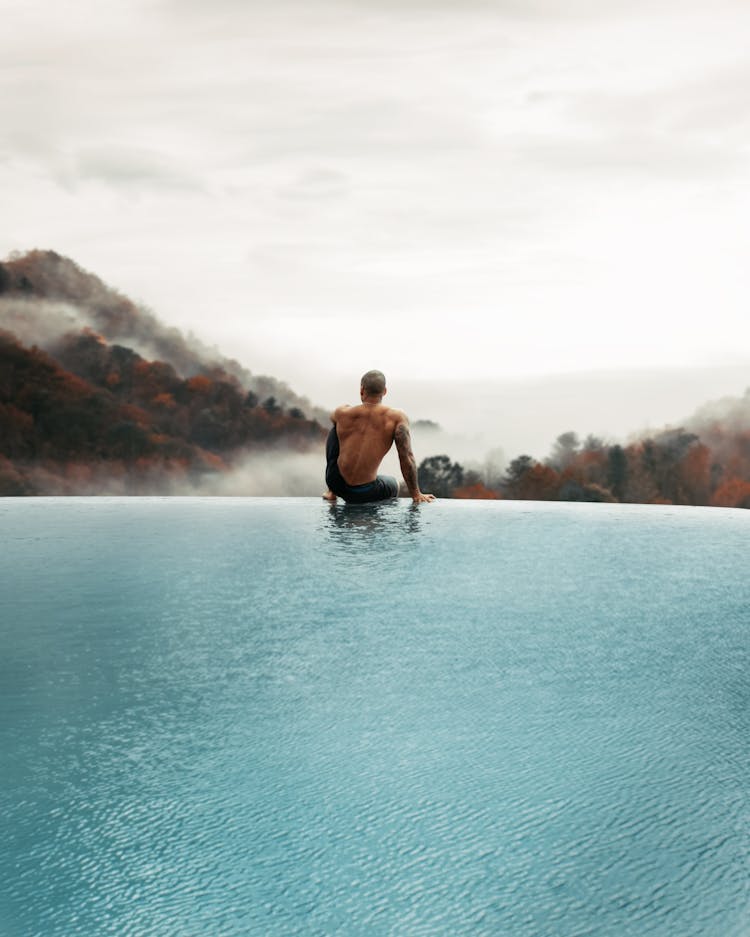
x=360, y=438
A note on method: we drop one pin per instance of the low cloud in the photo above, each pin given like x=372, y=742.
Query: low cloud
x=130, y=167
x=275, y=473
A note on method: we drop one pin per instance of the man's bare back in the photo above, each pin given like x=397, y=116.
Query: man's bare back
x=365, y=434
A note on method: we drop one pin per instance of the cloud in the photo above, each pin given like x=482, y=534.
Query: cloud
x=692, y=129
x=317, y=183
x=660, y=156
x=127, y=168
x=271, y=473
x=423, y=165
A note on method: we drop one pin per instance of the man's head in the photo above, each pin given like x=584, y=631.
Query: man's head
x=372, y=384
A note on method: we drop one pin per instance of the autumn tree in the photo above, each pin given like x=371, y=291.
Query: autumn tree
x=733, y=493
x=564, y=450
x=476, y=491
x=639, y=486
x=573, y=490
x=529, y=480
x=438, y=475
x=515, y=474
x=663, y=459
x=695, y=475
x=617, y=471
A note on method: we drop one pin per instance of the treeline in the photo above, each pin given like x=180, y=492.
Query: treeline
x=94, y=415
x=675, y=466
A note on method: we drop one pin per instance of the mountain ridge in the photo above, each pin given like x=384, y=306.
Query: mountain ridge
x=44, y=295
x=82, y=413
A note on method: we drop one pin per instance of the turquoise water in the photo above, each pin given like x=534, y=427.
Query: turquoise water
x=276, y=717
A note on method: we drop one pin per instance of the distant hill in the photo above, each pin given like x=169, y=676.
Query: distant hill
x=82, y=411
x=44, y=296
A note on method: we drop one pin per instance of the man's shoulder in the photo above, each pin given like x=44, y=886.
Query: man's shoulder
x=398, y=416
x=398, y=423
x=339, y=410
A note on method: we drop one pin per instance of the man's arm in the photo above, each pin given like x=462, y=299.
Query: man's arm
x=402, y=438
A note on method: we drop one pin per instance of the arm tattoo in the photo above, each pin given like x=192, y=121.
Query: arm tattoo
x=406, y=457
x=402, y=436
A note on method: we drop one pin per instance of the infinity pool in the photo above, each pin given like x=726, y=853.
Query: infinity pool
x=271, y=717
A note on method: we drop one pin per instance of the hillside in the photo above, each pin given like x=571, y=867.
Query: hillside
x=81, y=413
x=44, y=296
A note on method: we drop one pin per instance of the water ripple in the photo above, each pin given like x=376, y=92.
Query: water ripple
x=280, y=718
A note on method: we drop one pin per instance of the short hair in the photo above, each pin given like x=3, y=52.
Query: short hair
x=373, y=383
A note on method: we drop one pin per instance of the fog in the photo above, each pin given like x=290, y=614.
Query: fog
x=526, y=416
x=271, y=473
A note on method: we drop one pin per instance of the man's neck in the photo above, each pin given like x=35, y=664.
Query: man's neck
x=371, y=401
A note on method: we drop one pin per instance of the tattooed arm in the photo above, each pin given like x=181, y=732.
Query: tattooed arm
x=402, y=437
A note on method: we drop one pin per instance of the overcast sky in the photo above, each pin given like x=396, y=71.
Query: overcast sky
x=445, y=190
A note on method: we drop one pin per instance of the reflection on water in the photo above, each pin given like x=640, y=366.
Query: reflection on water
x=283, y=717
x=365, y=525
x=371, y=538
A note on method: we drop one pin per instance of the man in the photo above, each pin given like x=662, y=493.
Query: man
x=360, y=438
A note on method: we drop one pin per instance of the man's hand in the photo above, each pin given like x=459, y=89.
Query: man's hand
x=420, y=496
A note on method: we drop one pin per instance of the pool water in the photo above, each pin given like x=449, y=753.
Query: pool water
x=274, y=716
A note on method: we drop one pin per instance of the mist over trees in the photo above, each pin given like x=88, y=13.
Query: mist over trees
x=102, y=412
x=83, y=414
x=708, y=464
x=44, y=295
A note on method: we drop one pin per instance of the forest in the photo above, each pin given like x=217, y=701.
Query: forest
x=83, y=411
x=98, y=413
x=708, y=465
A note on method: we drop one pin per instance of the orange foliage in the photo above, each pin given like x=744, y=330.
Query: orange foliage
x=200, y=384
x=78, y=473
x=477, y=491
x=72, y=386
x=695, y=472
x=134, y=415
x=592, y=457
x=734, y=493
x=540, y=483
x=213, y=461
x=164, y=400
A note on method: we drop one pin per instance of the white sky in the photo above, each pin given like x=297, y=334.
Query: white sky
x=466, y=190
